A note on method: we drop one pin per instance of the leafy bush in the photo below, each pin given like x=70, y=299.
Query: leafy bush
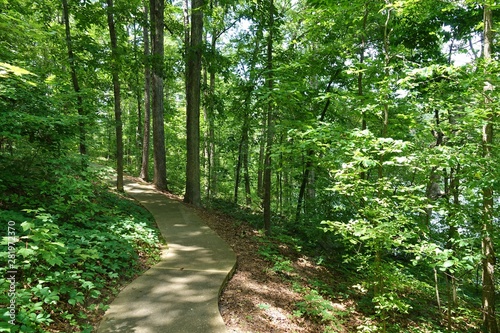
x=316, y=307
x=75, y=243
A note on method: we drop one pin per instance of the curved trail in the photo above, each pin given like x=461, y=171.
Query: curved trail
x=180, y=293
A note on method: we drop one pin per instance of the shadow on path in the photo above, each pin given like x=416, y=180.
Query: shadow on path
x=179, y=294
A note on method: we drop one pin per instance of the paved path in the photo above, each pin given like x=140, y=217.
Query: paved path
x=181, y=292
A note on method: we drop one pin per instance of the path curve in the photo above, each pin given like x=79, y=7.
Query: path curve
x=179, y=294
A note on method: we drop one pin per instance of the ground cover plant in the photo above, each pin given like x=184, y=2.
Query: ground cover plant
x=284, y=284
x=75, y=244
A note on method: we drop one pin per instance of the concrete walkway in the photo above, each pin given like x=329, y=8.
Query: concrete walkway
x=180, y=293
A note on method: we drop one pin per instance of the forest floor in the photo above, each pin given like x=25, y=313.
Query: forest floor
x=258, y=298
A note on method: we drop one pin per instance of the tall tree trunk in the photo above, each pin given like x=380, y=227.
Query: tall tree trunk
x=194, y=53
x=452, y=187
x=360, y=74
x=74, y=81
x=136, y=87
x=209, y=119
x=279, y=182
x=309, y=156
x=187, y=37
x=363, y=175
x=244, y=154
x=210, y=135
x=147, y=99
x=270, y=122
x=115, y=69
x=262, y=142
x=246, y=172
x=385, y=107
x=489, y=319
x=212, y=158
x=206, y=139
x=207, y=114
x=157, y=8
x=237, y=171
x=243, y=161
x=260, y=171
x=138, y=132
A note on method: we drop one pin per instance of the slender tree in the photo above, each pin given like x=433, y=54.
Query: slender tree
x=243, y=151
x=144, y=174
x=115, y=69
x=74, y=79
x=489, y=319
x=157, y=8
x=193, y=94
x=309, y=162
x=269, y=121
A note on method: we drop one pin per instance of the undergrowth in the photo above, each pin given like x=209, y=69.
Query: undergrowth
x=346, y=302
x=73, y=242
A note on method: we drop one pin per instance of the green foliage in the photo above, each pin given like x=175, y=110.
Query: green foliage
x=28, y=115
x=369, y=110
x=319, y=307
x=74, y=246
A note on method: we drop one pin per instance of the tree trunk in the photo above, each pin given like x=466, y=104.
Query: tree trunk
x=360, y=80
x=210, y=152
x=489, y=319
x=194, y=53
x=157, y=17
x=385, y=107
x=243, y=162
x=237, y=171
x=147, y=100
x=206, y=139
x=212, y=173
x=246, y=172
x=136, y=87
x=209, y=115
x=309, y=162
x=74, y=81
x=115, y=68
x=245, y=129
x=279, y=182
x=270, y=123
x=260, y=171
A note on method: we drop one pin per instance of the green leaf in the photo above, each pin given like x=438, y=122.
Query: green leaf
x=27, y=225
x=25, y=252
x=5, y=69
x=447, y=264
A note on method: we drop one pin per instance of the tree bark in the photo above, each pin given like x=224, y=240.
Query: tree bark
x=309, y=162
x=136, y=87
x=488, y=280
x=209, y=119
x=74, y=81
x=115, y=69
x=243, y=162
x=147, y=100
x=360, y=74
x=193, y=89
x=157, y=8
x=237, y=171
x=212, y=173
x=210, y=134
x=260, y=171
x=270, y=123
x=243, y=153
x=246, y=172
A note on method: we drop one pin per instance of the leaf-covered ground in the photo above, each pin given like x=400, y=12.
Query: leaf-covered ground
x=268, y=295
